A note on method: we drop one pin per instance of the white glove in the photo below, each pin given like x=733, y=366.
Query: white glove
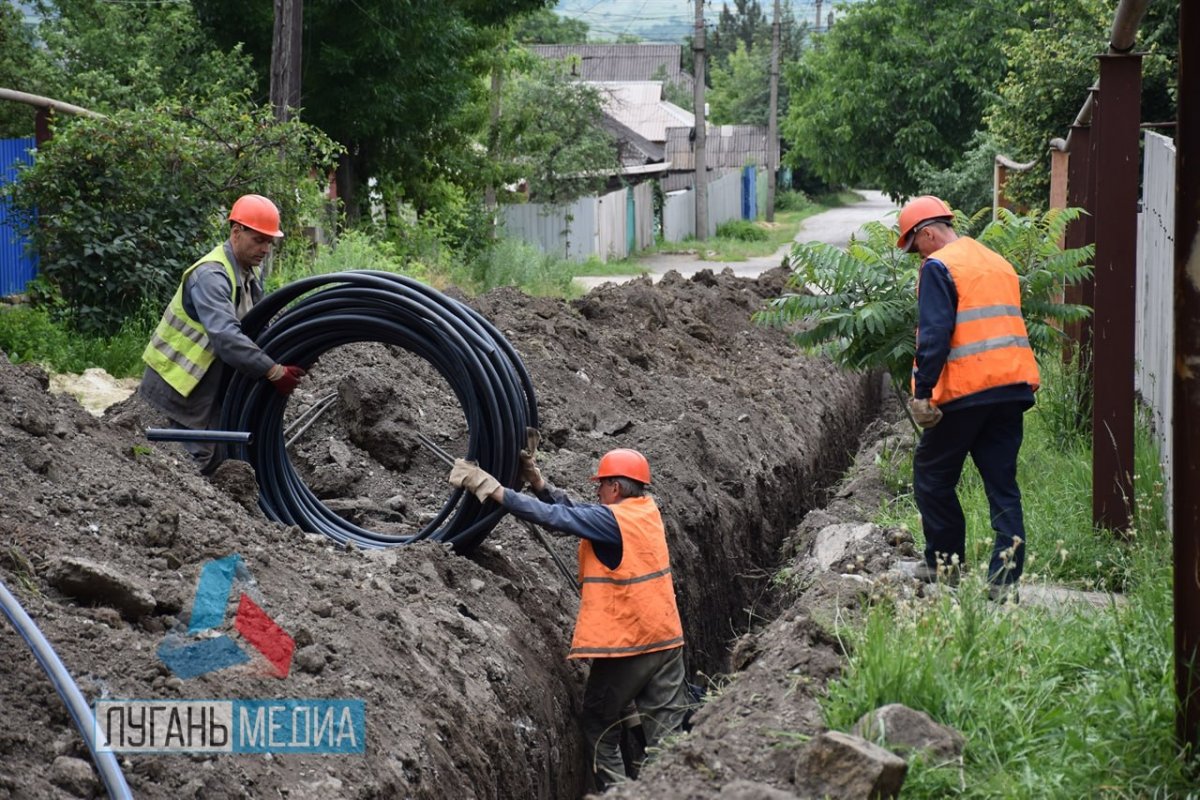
x=474, y=479
x=924, y=412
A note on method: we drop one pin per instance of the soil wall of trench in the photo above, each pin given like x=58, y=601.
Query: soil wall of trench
x=460, y=660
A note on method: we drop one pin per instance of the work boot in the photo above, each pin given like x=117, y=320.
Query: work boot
x=921, y=571
x=1004, y=593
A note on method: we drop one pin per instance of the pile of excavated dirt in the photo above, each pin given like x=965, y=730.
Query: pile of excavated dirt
x=459, y=659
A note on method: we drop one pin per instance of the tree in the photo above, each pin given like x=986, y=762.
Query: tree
x=388, y=80
x=545, y=27
x=551, y=134
x=1051, y=65
x=870, y=107
x=112, y=56
x=741, y=90
x=119, y=206
x=24, y=67
x=745, y=25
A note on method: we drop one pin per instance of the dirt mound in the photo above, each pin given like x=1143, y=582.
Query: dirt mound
x=459, y=660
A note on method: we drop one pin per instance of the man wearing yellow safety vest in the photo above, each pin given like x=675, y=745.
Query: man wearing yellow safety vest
x=974, y=376
x=628, y=623
x=200, y=332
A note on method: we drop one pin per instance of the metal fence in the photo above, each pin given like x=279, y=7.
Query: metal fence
x=724, y=204
x=620, y=223
x=610, y=226
x=1155, y=315
x=17, y=265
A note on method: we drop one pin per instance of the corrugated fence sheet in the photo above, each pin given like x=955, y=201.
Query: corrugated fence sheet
x=17, y=267
x=1155, y=315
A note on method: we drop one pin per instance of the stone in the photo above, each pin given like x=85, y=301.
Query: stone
x=906, y=731
x=847, y=767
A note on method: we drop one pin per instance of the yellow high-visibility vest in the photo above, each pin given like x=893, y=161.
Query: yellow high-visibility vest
x=179, y=350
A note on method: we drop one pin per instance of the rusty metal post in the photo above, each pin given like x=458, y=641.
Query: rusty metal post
x=1186, y=433
x=41, y=126
x=1118, y=113
x=1080, y=192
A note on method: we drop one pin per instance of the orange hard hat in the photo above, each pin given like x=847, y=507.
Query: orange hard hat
x=918, y=210
x=623, y=464
x=257, y=213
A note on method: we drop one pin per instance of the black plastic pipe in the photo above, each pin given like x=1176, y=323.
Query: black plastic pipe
x=304, y=319
x=188, y=435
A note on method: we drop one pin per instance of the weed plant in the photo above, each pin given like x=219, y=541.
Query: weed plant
x=33, y=335
x=1074, y=702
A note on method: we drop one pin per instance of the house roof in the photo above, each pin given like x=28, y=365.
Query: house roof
x=620, y=62
x=724, y=146
x=633, y=149
x=638, y=105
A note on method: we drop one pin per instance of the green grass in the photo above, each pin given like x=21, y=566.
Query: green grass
x=1074, y=703
x=31, y=334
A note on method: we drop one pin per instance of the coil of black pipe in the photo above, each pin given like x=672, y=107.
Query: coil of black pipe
x=299, y=322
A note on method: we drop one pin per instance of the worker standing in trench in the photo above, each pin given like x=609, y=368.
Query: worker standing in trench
x=974, y=376
x=200, y=331
x=628, y=623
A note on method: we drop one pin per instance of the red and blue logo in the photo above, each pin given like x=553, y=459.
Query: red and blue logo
x=205, y=648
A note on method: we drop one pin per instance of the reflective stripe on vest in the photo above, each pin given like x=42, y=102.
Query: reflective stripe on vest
x=631, y=609
x=179, y=350
x=990, y=345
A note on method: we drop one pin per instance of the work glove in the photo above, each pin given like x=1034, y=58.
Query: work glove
x=473, y=478
x=924, y=412
x=530, y=473
x=284, y=378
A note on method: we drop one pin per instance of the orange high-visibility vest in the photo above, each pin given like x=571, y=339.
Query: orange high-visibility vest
x=990, y=345
x=631, y=609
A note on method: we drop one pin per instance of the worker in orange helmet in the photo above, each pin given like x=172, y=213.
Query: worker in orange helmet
x=628, y=623
x=974, y=376
x=200, y=332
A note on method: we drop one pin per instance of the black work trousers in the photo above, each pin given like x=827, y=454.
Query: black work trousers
x=991, y=434
x=654, y=682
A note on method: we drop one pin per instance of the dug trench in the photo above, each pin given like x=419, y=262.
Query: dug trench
x=459, y=660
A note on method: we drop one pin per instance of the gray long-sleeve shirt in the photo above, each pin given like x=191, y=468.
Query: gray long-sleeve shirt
x=208, y=299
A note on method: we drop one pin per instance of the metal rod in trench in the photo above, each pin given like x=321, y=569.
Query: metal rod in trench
x=448, y=460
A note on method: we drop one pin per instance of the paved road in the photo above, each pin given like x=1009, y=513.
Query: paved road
x=831, y=227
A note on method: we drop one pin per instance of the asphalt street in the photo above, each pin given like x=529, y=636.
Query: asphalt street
x=831, y=227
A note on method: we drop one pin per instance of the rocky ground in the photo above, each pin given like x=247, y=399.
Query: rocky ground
x=458, y=659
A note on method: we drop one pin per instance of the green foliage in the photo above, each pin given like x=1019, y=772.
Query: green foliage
x=740, y=93
x=516, y=263
x=1051, y=65
x=111, y=56
x=118, y=207
x=395, y=83
x=353, y=250
x=1056, y=703
x=967, y=183
x=792, y=201
x=1065, y=400
x=543, y=26
x=742, y=230
x=23, y=66
x=858, y=305
x=870, y=107
x=550, y=133
x=32, y=334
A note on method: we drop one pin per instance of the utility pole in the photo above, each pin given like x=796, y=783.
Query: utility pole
x=817, y=24
x=285, y=58
x=773, y=119
x=701, y=123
